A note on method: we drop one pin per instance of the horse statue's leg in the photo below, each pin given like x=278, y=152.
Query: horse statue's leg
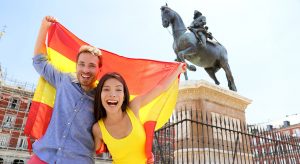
x=185, y=75
x=187, y=52
x=212, y=73
x=224, y=64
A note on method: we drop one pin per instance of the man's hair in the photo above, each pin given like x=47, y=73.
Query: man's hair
x=92, y=50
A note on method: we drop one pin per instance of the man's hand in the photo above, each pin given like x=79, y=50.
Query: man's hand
x=48, y=20
x=40, y=46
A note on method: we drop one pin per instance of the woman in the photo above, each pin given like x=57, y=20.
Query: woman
x=119, y=126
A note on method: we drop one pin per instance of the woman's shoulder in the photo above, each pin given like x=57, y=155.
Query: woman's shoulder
x=96, y=130
x=132, y=113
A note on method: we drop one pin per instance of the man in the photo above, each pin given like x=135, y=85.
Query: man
x=68, y=138
x=198, y=27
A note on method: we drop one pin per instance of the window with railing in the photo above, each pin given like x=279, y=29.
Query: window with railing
x=296, y=132
x=287, y=132
x=8, y=121
x=18, y=161
x=4, y=140
x=22, y=143
x=254, y=141
x=293, y=160
x=271, y=150
x=14, y=103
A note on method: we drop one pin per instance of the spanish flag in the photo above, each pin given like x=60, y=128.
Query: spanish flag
x=141, y=76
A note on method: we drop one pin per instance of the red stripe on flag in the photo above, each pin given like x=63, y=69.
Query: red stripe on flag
x=149, y=127
x=38, y=119
x=63, y=41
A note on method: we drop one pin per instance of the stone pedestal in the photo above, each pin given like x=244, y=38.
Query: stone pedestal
x=206, y=106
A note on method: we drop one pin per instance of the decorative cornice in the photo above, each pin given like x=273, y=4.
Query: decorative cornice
x=201, y=89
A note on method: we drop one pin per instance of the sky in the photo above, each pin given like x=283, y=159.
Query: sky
x=261, y=38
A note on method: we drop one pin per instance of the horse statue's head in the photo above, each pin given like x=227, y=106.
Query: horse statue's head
x=167, y=16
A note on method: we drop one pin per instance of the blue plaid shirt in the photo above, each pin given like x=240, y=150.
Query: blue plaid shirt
x=68, y=138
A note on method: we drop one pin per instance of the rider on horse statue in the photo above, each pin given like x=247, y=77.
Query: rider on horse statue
x=199, y=29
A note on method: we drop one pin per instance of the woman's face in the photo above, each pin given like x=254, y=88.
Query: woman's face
x=112, y=95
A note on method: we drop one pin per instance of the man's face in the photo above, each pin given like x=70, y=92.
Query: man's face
x=87, y=69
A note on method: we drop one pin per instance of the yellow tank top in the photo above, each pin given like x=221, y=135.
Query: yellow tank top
x=128, y=150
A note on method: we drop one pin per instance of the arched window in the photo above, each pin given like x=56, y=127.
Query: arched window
x=18, y=161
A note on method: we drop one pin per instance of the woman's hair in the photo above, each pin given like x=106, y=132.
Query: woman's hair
x=99, y=111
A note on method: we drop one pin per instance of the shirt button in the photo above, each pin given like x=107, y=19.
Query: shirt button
x=64, y=136
x=69, y=123
x=75, y=110
x=59, y=148
x=81, y=99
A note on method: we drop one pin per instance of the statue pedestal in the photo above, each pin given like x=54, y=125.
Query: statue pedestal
x=210, y=118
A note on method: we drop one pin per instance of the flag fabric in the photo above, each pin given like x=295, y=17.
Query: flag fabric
x=141, y=76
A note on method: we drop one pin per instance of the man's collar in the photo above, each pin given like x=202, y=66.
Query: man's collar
x=75, y=80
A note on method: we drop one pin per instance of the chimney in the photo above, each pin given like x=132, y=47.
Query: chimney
x=269, y=127
x=286, y=123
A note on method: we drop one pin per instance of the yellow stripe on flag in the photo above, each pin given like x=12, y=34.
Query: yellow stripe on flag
x=60, y=62
x=42, y=88
x=161, y=108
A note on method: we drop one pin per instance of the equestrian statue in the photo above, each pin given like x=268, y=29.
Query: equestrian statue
x=198, y=46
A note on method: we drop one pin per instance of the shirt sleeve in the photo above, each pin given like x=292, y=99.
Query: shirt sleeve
x=46, y=70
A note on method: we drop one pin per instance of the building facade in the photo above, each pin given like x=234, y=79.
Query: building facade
x=15, y=101
x=280, y=145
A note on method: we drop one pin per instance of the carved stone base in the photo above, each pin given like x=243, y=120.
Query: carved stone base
x=208, y=106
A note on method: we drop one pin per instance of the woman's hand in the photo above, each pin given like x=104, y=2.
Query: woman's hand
x=183, y=67
x=150, y=160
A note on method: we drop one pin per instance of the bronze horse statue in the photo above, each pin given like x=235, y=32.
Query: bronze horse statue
x=186, y=46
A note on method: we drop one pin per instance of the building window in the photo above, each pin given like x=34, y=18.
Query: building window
x=18, y=161
x=167, y=132
x=271, y=150
x=22, y=143
x=4, y=139
x=254, y=141
x=296, y=132
x=8, y=121
x=286, y=132
x=14, y=103
x=263, y=151
x=293, y=160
